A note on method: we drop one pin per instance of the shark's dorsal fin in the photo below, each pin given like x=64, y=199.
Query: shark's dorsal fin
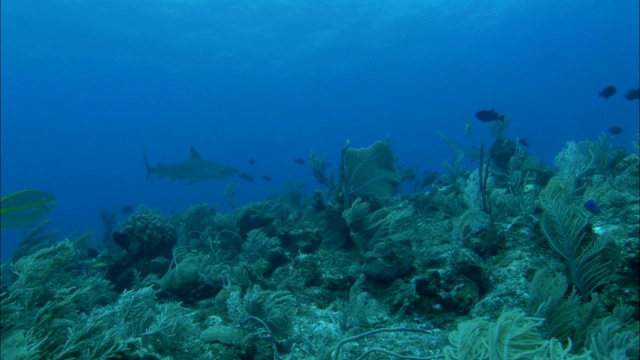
x=194, y=154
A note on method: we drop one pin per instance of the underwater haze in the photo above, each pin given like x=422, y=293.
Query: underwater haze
x=89, y=86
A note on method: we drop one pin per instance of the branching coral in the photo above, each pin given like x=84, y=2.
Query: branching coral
x=563, y=223
x=147, y=234
x=63, y=316
x=274, y=308
x=574, y=160
x=38, y=276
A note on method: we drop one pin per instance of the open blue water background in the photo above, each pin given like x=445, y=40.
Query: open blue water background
x=87, y=85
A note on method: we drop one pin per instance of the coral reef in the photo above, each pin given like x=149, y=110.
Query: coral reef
x=503, y=261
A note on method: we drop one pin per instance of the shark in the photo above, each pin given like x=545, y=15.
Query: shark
x=195, y=169
x=460, y=151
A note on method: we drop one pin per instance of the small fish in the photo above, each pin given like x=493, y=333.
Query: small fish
x=615, y=130
x=467, y=130
x=252, y=161
x=127, y=209
x=608, y=91
x=266, y=178
x=247, y=177
x=298, y=161
x=489, y=115
x=523, y=142
x=633, y=94
x=99, y=265
x=593, y=207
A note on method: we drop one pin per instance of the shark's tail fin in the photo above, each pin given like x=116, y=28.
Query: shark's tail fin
x=457, y=148
x=146, y=164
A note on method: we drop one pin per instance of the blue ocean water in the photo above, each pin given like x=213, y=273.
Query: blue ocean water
x=87, y=86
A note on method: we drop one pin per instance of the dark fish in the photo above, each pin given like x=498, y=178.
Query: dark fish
x=407, y=175
x=121, y=239
x=92, y=253
x=633, y=94
x=429, y=178
x=523, y=142
x=247, y=177
x=615, y=130
x=252, y=161
x=608, y=91
x=298, y=161
x=127, y=209
x=593, y=207
x=266, y=178
x=489, y=115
